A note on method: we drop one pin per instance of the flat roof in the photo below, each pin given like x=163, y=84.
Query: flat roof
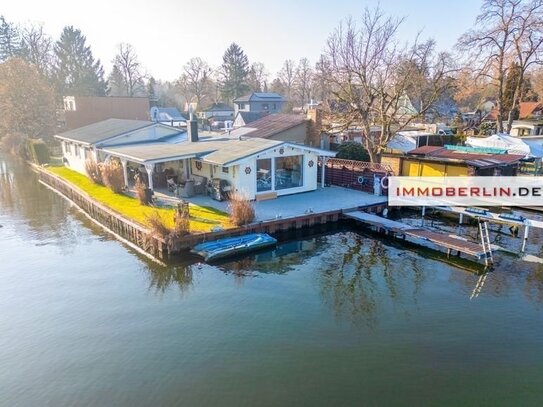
x=104, y=130
x=156, y=152
x=218, y=151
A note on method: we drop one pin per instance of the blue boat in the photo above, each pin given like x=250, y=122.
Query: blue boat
x=230, y=246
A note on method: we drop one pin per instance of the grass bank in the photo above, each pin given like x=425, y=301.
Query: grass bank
x=202, y=218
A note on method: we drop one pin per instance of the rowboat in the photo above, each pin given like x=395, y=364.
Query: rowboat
x=221, y=248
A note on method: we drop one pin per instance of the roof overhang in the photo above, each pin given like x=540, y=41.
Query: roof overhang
x=320, y=152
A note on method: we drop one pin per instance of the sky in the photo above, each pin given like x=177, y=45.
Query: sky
x=167, y=33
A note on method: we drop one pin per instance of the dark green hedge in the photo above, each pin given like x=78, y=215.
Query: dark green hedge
x=38, y=152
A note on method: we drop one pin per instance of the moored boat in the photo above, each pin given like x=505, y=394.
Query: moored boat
x=221, y=248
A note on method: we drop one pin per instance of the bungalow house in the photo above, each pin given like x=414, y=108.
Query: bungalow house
x=261, y=168
x=86, y=142
x=167, y=115
x=257, y=102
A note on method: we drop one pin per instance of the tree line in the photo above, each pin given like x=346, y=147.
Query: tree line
x=366, y=78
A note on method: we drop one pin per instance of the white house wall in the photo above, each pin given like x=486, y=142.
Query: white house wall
x=75, y=161
x=242, y=177
x=309, y=173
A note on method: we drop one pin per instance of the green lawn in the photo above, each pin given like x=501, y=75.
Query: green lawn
x=202, y=218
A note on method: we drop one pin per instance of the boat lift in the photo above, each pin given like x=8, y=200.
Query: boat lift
x=484, y=215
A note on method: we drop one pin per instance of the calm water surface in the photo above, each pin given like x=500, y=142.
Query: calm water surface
x=336, y=319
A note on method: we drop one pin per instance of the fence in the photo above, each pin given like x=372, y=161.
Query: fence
x=352, y=174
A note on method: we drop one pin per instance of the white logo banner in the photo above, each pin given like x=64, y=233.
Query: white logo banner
x=465, y=191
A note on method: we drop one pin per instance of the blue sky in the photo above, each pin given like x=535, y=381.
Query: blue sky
x=167, y=33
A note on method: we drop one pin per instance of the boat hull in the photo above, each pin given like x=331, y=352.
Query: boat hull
x=232, y=246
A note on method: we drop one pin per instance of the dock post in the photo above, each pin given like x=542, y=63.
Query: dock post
x=423, y=213
x=525, y=240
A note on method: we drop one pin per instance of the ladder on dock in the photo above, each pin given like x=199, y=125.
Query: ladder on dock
x=485, y=242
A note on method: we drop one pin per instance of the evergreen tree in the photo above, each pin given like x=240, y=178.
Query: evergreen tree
x=151, y=92
x=10, y=40
x=234, y=73
x=76, y=71
x=117, y=85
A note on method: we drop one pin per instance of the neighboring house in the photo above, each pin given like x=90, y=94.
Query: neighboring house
x=219, y=111
x=405, y=110
x=527, y=128
x=278, y=126
x=435, y=161
x=530, y=110
x=257, y=102
x=527, y=111
x=167, y=115
x=244, y=118
x=84, y=143
x=260, y=168
x=491, y=116
x=80, y=111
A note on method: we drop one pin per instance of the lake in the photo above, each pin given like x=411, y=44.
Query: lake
x=334, y=318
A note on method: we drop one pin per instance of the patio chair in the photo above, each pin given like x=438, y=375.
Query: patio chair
x=172, y=186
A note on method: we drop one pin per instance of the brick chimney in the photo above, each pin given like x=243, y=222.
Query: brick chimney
x=314, y=128
x=192, y=127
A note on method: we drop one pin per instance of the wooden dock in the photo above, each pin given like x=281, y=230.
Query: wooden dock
x=447, y=241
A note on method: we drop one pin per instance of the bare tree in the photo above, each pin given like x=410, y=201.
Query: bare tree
x=195, y=82
x=287, y=76
x=37, y=48
x=369, y=76
x=509, y=32
x=130, y=68
x=527, y=41
x=258, y=77
x=303, y=81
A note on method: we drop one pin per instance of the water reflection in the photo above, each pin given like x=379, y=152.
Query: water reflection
x=162, y=279
x=287, y=257
x=359, y=274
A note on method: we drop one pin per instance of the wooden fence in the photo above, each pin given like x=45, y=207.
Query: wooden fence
x=352, y=174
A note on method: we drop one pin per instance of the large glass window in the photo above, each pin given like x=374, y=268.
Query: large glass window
x=289, y=172
x=263, y=175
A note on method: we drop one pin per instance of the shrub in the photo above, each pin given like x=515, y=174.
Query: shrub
x=352, y=150
x=241, y=209
x=181, y=220
x=38, y=152
x=112, y=176
x=157, y=225
x=141, y=193
x=93, y=171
